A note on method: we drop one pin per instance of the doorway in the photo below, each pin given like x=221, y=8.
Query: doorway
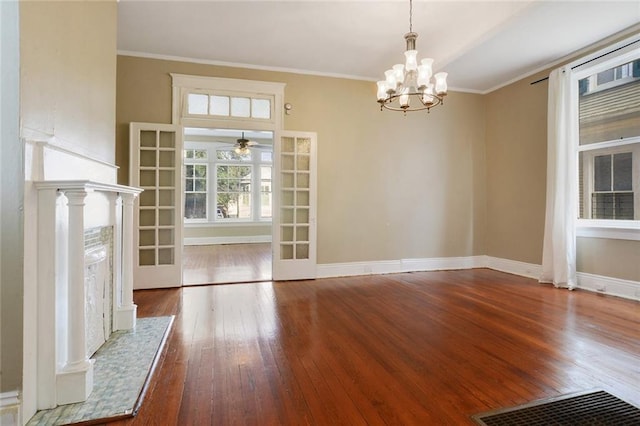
x=227, y=205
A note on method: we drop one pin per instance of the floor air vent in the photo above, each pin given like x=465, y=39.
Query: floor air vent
x=593, y=409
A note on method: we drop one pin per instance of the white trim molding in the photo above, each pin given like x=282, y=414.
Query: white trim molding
x=443, y=263
x=205, y=241
x=612, y=229
x=608, y=285
x=10, y=408
x=329, y=270
x=48, y=160
x=515, y=267
x=627, y=289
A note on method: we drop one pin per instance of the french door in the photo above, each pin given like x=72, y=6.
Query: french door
x=294, y=218
x=155, y=165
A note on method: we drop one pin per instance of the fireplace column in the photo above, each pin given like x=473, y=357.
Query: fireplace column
x=74, y=382
x=126, y=311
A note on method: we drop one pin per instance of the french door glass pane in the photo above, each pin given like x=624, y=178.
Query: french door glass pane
x=147, y=139
x=147, y=237
x=148, y=158
x=147, y=257
x=166, y=159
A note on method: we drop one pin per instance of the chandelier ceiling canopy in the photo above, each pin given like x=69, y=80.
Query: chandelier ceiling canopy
x=409, y=86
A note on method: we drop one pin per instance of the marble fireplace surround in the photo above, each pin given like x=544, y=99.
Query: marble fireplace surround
x=66, y=208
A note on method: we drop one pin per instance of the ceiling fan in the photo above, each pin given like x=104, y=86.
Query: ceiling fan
x=242, y=145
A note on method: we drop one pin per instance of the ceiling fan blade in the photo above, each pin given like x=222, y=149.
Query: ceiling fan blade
x=259, y=146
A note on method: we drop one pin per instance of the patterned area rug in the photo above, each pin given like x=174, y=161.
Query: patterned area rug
x=592, y=408
x=123, y=365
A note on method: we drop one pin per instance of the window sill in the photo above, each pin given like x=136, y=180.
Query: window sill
x=226, y=224
x=611, y=229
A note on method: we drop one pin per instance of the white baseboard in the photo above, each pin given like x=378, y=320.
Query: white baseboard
x=598, y=283
x=442, y=263
x=329, y=270
x=607, y=285
x=10, y=409
x=515, y=267
x=205, y=241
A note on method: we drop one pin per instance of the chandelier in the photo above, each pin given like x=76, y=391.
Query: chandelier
x=409, y=86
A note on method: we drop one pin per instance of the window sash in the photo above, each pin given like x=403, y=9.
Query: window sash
x=196, y=192
x=239, y=185
x=588, y=208
x=626, y=52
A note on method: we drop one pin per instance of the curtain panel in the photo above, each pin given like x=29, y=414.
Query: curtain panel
x=559, y=247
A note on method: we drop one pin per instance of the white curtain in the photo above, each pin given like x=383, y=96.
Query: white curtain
x=559, y=250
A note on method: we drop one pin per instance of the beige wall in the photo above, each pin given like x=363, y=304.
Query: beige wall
x=68, y=74
x=67, y=98
x=389, y=186
x=516, y=186
x=516, y=170
x=611, y=258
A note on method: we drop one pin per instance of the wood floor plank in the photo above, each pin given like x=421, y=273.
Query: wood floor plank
x=415, y=348
x=226, y=263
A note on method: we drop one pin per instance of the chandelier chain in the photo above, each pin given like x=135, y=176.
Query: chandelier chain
x=410, y=16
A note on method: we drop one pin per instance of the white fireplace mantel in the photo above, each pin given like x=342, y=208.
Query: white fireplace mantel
x=65, y=209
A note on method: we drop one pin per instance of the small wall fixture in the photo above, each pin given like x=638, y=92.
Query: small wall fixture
x=287, y=108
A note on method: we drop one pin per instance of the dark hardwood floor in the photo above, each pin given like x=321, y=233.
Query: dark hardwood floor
x=429, y=348
x=226, y=263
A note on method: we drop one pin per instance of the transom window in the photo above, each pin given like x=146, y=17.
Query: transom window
x=201, y=104
x=222, y=185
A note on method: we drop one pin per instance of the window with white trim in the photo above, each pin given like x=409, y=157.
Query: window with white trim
x=225, y=186
x=609, y=139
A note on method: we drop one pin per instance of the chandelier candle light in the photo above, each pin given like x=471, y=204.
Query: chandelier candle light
x=412, y=81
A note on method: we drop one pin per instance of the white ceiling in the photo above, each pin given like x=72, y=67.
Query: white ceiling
x=481, y=44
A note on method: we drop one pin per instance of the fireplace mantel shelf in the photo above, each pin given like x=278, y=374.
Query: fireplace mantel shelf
x=86, y=185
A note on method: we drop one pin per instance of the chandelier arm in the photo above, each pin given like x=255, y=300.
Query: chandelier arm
x=388, y=103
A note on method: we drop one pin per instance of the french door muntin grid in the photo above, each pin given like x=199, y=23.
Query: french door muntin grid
x=295, y=170
x=156, y=242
